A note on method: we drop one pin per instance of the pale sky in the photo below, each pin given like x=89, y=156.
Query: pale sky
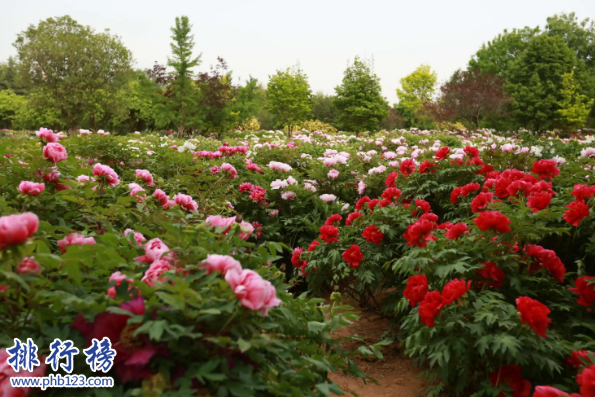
x=257, y=37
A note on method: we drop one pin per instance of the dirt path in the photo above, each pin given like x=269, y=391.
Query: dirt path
x=396, y=375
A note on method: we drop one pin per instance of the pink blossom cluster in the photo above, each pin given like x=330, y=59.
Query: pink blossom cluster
x=104, y=172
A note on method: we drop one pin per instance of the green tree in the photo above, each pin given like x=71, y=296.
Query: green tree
x=249, y=101
x=359, y=100
x=8, y=77
x=536, y=81
x=72, y=72
x=574, y=107
x=289, y=98
x=11, y=105
x=323, y=108
x=416, y=88
x=182, y=98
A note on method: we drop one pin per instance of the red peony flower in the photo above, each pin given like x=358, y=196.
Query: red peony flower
x=423, y=205
x=390, y=179
x=470, y=188
x=586, y=380
x=351, y=217
x=481, y=201
x=427, y=166
x=295, y=258
x=407, y=167
x=328, y=234
x=442, y=153
x=373, y=203
x=455, y=194
x=457, y=230
x=582, y=192
x=534, y=313
x=585, y=290
x=391, y=194
x=576, y=212
x=545, y=169
x=430, y=307
x=353, y=256
x=492, y=272
x=360, y=203
x=539, y=201
x=417, y=287
x=419, y=233
x=332, y=219
x=547, y=258
x=372, y=235
x=512, y=377
x=548, y=391
x=519, y=186
x=454, y=289
x=579, y=358
x=471, y=151
x=493, y=220
x=313, y=245
x=429, y=217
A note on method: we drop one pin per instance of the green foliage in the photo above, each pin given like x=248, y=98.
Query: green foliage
x=11, y=105
x=416, y=88
x=574, y=107
x=359, y=100
x=50, y=51
x=323, y=108
x=289, y=98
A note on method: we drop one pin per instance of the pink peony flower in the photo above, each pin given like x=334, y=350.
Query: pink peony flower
x=28, y=265
x=186, y=201
x=229, y=168
x=48, y=135
x=273, y=213
x=246, y=230
x=161, y=196
x=145, y=176
x=288, y=195
x=252, y=290
x=328, y=198
x=16, y=229
x=138, y=237
x=110, y=175
x=118, y=278
x=83, y=178
x=218, y=221
x=31, y=188
x=6, y=372
x=155, y=271
x=333, y=174
x=74, y=239
x=154, y=249
x=55, y=152
x=221, y=263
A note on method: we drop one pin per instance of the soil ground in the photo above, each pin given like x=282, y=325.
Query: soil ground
x=396, y=374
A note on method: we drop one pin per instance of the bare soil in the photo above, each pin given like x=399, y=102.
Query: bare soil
x=396, y=375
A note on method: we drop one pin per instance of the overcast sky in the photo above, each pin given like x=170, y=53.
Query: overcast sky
x=257, y=37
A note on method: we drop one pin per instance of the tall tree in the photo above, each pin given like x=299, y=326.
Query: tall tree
x=249, y=101
x=536, y=81
x=323, y=108
x=470, y=95
x=183, y=93
x=8, y=76
x=72, y=71
x=289, y=97
x=416, y=89
x=574, y=107
x=359, y=100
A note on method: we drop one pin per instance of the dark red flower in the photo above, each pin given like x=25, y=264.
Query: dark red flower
x=351, y=217
x=407, y=167
x=534, y=313
x=547, y=258
x=545, y=169
x=427, y=166
x=576, y=212
x=390, y=179
x=417, y=287
x=430, y=307
x=585, y=290
x=539, y=201
x=481, y=201
x=454, y=289
x=360, y=203
x=582, y=192
x=372, y=235
x=353, y=256
x=331, y=220
x=133, y=353
x=328, y=234
x=419, y=233
x=455, y=231
x=579, y=358
x=313, y=245
x=492, y=272
x=442, y=153
x=512, y=376
x=586, y=380
x=493, y=220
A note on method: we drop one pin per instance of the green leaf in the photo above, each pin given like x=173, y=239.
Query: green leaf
x=244, y=345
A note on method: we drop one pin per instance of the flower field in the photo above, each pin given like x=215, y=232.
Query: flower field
x=209, y=262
